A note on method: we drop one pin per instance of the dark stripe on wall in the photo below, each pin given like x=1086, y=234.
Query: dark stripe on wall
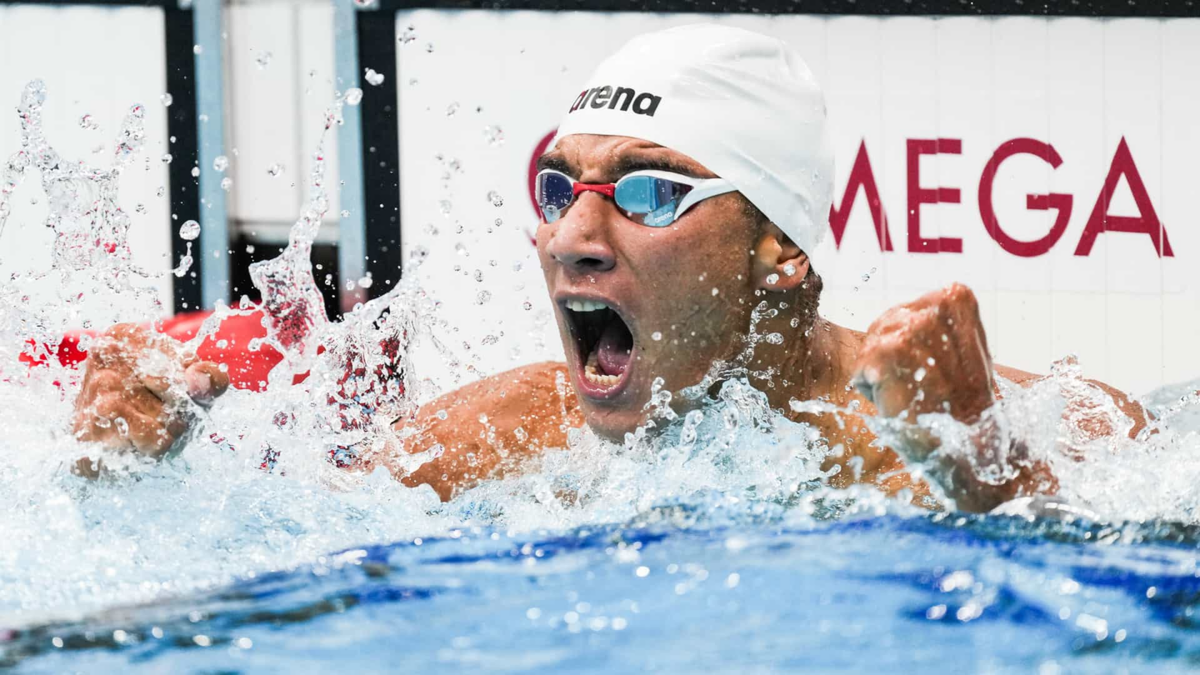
x=181, y=123
x=1085, y=8
x=380, y=149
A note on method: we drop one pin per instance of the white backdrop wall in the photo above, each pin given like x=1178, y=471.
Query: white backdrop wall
x=279, y=72
x=99, y=62
x=1107, y=102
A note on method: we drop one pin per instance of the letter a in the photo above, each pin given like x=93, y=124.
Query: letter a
x=1146, y=222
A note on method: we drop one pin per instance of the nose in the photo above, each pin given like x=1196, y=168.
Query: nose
x=579, y=241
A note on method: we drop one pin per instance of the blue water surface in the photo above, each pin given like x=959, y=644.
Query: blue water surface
x=943, y=592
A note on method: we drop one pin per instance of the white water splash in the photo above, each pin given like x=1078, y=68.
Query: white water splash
x=254, y=490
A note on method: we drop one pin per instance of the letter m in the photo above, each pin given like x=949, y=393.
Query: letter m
x=861, y=177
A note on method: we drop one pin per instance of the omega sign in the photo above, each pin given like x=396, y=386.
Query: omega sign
x=923, y=196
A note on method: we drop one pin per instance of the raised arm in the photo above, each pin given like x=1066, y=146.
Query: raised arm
x=931, y=355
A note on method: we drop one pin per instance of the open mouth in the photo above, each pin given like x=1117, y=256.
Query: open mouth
x=605, y=346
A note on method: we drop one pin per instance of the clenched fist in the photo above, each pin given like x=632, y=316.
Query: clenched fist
x=929, y=355
x=134, y=389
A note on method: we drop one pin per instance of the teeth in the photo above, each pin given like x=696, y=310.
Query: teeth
x=585, y=305
x=594, y=376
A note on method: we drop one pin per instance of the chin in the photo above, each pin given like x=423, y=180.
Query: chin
x=612, y=425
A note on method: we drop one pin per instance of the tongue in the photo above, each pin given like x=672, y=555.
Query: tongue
x=613, y=348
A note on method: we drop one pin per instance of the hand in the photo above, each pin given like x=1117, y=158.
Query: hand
x=133, y=392
x=929, y=355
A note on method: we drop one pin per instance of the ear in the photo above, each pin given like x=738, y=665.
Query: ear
x=777, y=263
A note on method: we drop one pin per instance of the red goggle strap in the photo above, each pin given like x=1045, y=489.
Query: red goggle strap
x=606, y=189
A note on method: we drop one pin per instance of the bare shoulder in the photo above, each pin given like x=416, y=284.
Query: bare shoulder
x=1125, y=404
x=537, y=380
x=1017, y=376
x=488, y=427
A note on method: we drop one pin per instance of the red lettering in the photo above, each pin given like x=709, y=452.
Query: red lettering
x=918, y=195
x=1060, y=202
x=1146, y=222
x=861, y=177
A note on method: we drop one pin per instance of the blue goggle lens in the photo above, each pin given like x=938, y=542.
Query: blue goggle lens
x=554, y=195
x=648, y=200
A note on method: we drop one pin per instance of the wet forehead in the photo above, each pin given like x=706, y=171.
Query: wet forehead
x=606, y=158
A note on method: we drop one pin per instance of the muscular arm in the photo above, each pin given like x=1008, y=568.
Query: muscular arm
x=941, y=337
x=488, y=427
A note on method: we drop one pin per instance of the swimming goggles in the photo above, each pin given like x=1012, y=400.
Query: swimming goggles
x=650, y=198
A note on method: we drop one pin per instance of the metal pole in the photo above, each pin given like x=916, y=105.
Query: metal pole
x=352, y=248
x=210, y=132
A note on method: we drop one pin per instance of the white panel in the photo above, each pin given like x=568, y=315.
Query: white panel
x=280, y=70
x=1077, y=84
x=98, y=62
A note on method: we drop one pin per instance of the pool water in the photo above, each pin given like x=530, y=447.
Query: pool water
x=711, y=545
x=757, y=594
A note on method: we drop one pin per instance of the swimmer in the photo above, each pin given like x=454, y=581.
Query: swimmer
x=689, y=182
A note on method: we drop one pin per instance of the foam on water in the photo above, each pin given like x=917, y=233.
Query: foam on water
x=212, y=513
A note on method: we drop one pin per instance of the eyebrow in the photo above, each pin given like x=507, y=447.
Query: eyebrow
x=624, y=165
x=629, y=164
x=555, y=162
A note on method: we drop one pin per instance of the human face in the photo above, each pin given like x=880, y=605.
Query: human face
x=673, y=299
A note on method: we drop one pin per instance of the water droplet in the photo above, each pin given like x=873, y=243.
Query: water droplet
x=772, y=278
x=408, y=35
x=445, y=206
x=167, y=100
x=220, y=163
x=919, y=374
x=373, y=78
x=479, y=276
x=451, y=109
x=656, y=336
x=354, y=96
x=774, y=338
x=365, y=282
x=495, y=198
x=275, y=170
x=195, y=172
x=527, y=305
x=429, y=47
x=87, y=122
x=189, y=231
x=794, y=323
x=493, y=134
x=483, y=297
x=716, y=292
x=197, y=49
x=140, y=208
x=263, y=59
x=345, y=213
x=166, y=158
x=226, y=183
x=160, y=191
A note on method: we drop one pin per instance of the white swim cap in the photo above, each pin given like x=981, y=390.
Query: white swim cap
x=740, y=103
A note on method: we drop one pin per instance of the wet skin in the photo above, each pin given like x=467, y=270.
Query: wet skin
x=696, y=283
